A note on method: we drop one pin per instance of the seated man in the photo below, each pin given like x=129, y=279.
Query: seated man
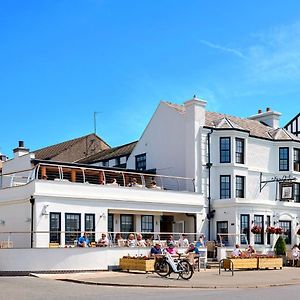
x=237, y=251
x=140, y=242
x=155, y=249
x=84, y=240
x=250, y=250
x=183, y=241
x=103, y=242
x=192, y=249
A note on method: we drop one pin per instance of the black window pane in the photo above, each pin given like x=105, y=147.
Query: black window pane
x=259, y=221
x=283, y=159
x=73, y=228
x=244, y=229
x=110, y=223
x=140, y=162
x=90, y=226
x=55, y=227
x=297, y=192
x=240, y=187
x=225, y=186
x=239, y=151
x=126, y=224
x=286, y=226
x=147, y=223
x=225, y=150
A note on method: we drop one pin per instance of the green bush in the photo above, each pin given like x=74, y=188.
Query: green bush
x=280, y=246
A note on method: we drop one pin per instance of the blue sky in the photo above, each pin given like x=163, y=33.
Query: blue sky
x=62, y=60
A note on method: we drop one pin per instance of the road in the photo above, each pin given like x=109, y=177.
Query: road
x=29, y=288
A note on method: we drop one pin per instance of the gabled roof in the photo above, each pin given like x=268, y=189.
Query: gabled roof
x=73, y=149
x=123, y=150
x=255, y=128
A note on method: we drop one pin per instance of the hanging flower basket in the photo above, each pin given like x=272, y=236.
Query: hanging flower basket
x=298, y=231
x=271, y=230
x=256, y=229
x=278, y=230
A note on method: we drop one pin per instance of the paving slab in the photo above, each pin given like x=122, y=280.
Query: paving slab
x=209, y=279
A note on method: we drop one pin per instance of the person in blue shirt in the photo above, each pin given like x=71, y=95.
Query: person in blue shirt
x=84, y=241
x=201, y=242
x=192, y=249
x=156, y=249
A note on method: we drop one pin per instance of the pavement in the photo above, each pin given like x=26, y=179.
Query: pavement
x=205, y=279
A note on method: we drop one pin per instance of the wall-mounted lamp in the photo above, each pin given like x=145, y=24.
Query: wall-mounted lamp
x=44, y=210
x=2, y=222
x=102, y=215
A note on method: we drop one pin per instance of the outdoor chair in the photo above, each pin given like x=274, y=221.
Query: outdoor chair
x=211, y=249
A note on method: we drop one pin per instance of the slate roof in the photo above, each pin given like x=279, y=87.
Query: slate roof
x=255, y=128
x=123, y=150
x=76, y=146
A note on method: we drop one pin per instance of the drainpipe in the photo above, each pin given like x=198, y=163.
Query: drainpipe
x=209, y=165
x=32, y=201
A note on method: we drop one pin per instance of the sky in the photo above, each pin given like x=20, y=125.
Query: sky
x=61, y=61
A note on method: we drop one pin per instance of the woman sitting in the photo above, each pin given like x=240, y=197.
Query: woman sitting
x=171, y=249
x=131, y=242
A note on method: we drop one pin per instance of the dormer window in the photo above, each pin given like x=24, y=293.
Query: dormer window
x=140, y=162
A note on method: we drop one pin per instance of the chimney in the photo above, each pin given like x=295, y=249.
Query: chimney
x=195, y=111
x=21, y=150
x=270, y=118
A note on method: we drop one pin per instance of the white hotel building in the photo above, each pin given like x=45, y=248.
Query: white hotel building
x=211, y=169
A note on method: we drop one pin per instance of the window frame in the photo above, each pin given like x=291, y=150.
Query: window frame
x=145, y=229
x=258, y=220
x=131, y=229
x=237, y=191
x=218, y=226
x=296, y=160
x=142, y=161
x=58, y=233
x=240, y=155
x=227, y=155
x=222, y=194
x=245, y=230
x=93, y=229
x=284, y=162
x=71, y=237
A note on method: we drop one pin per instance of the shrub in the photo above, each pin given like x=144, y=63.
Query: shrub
x=280, y=246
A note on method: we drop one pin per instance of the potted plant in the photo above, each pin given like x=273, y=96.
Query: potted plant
x=280, y=248
x=256, y=229
x=278, y=230
x=271, y=230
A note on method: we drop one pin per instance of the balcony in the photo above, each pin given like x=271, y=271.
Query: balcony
x=90, y=175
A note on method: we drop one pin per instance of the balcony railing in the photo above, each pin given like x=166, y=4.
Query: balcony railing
x=98, y=176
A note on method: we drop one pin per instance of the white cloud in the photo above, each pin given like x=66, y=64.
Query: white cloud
x=222, y=48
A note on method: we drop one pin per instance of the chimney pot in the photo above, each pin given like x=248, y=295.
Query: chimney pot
x=268, y=109
x=21, y=144
x=259, y=111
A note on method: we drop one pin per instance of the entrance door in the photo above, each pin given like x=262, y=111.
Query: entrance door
x=166, y=225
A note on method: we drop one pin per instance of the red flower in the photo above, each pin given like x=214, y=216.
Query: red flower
x=256, y=229
x=278, y=230
x=271, y=230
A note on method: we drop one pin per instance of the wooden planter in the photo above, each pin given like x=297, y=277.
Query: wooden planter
x=269, y=263
x=240, y=263
x=137, y=264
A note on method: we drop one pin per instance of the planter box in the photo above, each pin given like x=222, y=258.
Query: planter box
x=137, y=264
x=240, y=263
x=269, y=263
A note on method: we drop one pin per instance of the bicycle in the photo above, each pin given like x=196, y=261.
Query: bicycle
x=166, y=265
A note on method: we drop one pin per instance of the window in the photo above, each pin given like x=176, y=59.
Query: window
x=297, y=192
x=259, y=221
x=117, y=161
x=222, y=228
x=240, y=187
x=225, y=187
x=297, y=160
x=245, y=223
x=126, y=223
x=147, y=224
x=225, y=150
x=239, y=151
x=89, y=225
x=73, y=228
x=140, y=162
x=55, y=227
x=110, y=223
x=283, y=159
x=286, y=226
x=105, y=163
x=268, y=234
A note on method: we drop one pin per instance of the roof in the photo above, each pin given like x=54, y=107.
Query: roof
x=255, y=128
x=72, y=150
x=123, y=150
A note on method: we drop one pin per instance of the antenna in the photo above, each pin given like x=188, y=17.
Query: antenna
x=95, y=120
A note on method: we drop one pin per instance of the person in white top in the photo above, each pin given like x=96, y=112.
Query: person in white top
x=296, y=254
x=140, y=242
x=103, y=242
x=183, y=241
x=237, y=251
x=131, y=242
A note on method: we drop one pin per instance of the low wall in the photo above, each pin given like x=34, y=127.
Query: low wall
x=65, y=259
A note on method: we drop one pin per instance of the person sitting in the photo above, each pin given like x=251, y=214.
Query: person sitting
x=131, y=242
x=170, y=240
x=154, y=186
x=84, y=240
x=192, y=249
x=250, y=250
x=295, y=254
x=183, y=241
x=237, y=251
x=134, y=183
x=103, y=242
x=155, y=250
x=201, y=242
x=139, y=240
x=171, y=249
x=114, y=182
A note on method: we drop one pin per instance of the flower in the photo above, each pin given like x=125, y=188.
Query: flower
x=271, y=230
x=278, y=230
x=256, y=229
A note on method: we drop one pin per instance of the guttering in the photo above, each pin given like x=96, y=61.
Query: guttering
x=32, y=201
